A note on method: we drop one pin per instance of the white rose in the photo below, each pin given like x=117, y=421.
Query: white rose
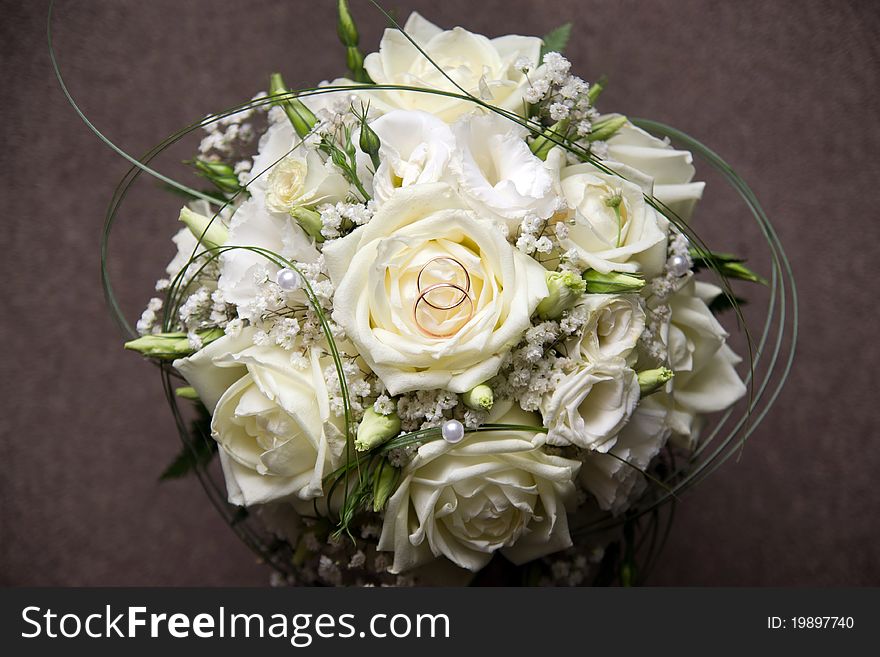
x=672, y=170
x=705, y=378
x=416, y=148
x=615, y=478
x=408, y=344
x=590, y=405
x=482, y=67
x=497, y=172
x=254, y=226
x=273, y=423
x=630, y=237
x=613, y=326
x=492, y=491
x=287, y=174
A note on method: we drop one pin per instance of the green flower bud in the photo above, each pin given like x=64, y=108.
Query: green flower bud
x=187, y=392
x=650, y=381
x=348, y=35
x=170, y=346
x=384, y=482
x=542, y=144
x=211, y=232
x=300, y=116
x=310, y=221
x=596, y=89
x=479, y=398
x=354, y=60
x=606, y=128
x=565, y=289
x=376, y=429
x=612, y=282
x=370, y=142
x=345, y=27
x=219, y=173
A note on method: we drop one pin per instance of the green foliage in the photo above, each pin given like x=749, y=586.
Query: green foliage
x=726, y=264
x=723, y=302
x=196, y=454
x=556, y=40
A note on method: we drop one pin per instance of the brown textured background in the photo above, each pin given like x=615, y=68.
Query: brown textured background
x=786, y=91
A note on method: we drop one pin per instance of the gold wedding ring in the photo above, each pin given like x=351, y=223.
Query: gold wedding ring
x=463, y=296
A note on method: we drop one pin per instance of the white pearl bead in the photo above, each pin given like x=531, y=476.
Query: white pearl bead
x=452, y=431
x=288, y=280
x=678, y=265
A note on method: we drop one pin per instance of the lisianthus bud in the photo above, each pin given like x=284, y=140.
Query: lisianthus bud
x=300, y=116
x=345, y=28
x=551, y=137
x=479, y=398
x=376, y=429
x=651, y=381
x=612, y=282
x=384, y=483
x=370, y=142
x=219, y=173
x=170, y=346
x=210, y=232
x=596, y=89
x=565, y=288
x=310, y=221
x=606, y=129
x=348, y=34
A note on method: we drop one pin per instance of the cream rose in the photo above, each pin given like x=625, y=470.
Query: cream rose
x=287, y=174
x=416, y=148
x=705, y=379
x=671, y=170
x=615, y=229
x=613, y=327
x=277, y=436
x=590, y=405
x=400, y=322
x=615, y=479
x=499, y=175
x=492, y=491
x=482, y=67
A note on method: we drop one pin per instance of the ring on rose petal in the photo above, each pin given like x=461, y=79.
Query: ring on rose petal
x=467, y=279
x=423, y=297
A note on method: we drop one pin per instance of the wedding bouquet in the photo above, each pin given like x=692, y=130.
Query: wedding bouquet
x=443, y=308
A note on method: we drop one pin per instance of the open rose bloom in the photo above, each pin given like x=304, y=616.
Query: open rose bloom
x=441, y=318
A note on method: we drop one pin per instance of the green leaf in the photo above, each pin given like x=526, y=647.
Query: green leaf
x=190, y=458
x=722, y=302
x=556, y=40
x=698, y=254
x=727, y=264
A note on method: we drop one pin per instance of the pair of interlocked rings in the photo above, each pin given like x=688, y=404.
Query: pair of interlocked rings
x=462, y=297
